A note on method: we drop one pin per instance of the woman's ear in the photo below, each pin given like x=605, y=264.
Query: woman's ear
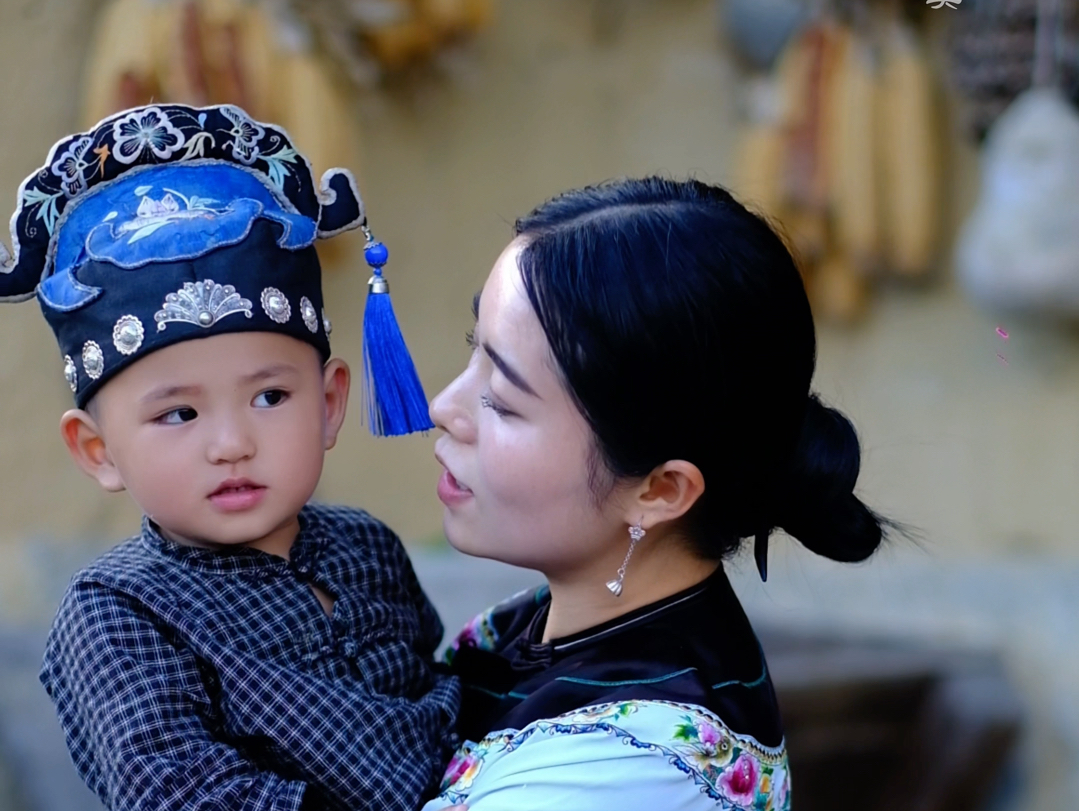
x=85, y=443
x=336, y=379
x=666, y=494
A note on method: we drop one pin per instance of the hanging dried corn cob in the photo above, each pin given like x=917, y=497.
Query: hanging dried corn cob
x=853, y=165
x=909, y=153
x=857, y=185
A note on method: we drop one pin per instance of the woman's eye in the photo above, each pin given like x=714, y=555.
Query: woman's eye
x=487, y=402
x=470, y=339
x=177, y=416
x=268, y=399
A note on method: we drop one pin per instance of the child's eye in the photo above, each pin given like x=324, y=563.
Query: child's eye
x=487, y=402
x=268, y=399
x=177, y=416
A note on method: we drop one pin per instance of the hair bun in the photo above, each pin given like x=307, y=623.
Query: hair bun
x=819, y=507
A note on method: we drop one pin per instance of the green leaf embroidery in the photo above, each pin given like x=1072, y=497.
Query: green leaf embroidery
x=686, y=732
x=47, y=210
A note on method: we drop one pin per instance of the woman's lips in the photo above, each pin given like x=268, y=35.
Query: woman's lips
x=450, y=491
x=236, y=496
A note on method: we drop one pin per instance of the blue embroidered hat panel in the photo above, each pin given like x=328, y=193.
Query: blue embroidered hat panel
x=166, y=214
x=123, y=146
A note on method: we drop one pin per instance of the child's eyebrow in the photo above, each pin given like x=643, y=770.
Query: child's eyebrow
x=273, y=370
x=168, y=392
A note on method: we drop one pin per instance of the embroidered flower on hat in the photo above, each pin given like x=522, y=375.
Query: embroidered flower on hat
x=307, y=312
x=148, y=127
x=71, y=166
x=245, y=135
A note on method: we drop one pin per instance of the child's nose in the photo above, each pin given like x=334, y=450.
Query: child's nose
x=231, y=443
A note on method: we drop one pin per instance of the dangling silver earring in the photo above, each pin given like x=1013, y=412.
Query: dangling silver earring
x=635, y=535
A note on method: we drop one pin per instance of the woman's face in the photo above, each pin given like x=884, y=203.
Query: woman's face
x=516, y=449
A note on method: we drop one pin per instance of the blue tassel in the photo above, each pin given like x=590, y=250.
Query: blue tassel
x=396, y=403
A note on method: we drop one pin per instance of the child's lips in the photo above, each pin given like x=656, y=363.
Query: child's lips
x=236, y=495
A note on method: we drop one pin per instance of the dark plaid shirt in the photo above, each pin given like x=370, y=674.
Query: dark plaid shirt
x=186, y=678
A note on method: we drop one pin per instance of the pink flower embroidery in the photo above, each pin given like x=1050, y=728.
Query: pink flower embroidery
x=478, y=633
x=462, y=770
x=739, y=781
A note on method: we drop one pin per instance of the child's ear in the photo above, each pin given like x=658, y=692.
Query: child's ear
x=336, y=381
x=84, y=441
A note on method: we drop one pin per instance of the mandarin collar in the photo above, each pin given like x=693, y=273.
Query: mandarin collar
x=306, y=549
x=533, y=654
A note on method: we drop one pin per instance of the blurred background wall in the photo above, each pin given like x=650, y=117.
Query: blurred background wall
x=971, y=438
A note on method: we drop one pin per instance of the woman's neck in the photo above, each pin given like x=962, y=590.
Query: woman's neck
x=581, y=600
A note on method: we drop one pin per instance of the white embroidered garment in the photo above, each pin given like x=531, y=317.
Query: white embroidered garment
x=639, y=755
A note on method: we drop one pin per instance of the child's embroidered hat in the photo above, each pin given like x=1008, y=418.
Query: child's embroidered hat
x=168, y=223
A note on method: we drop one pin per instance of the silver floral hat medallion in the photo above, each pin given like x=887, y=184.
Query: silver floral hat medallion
x=93, y=359
x=307, y=312
x=127, y=335
x=276, y=305
x=71, y=374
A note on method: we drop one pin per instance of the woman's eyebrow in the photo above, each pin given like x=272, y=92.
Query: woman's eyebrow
x=476, y=305
x=510, y=373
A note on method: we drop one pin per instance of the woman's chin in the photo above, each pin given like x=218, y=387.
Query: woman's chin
x=464, y=541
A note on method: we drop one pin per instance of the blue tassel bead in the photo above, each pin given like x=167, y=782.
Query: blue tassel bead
x=376, y=254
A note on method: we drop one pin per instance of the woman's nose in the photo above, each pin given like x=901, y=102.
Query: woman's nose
x=449, y=412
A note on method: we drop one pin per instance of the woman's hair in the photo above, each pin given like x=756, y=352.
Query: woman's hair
x=681, y=327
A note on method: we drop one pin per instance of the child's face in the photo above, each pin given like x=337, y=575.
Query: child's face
x=219, y=440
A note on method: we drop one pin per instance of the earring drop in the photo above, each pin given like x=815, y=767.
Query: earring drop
x=635, y=535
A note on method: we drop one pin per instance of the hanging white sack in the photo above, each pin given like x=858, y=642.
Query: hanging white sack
x=1019, y=250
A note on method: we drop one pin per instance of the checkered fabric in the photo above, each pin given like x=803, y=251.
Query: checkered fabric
x=188, y=678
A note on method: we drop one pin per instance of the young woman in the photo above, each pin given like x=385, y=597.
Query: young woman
x=636, y=405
